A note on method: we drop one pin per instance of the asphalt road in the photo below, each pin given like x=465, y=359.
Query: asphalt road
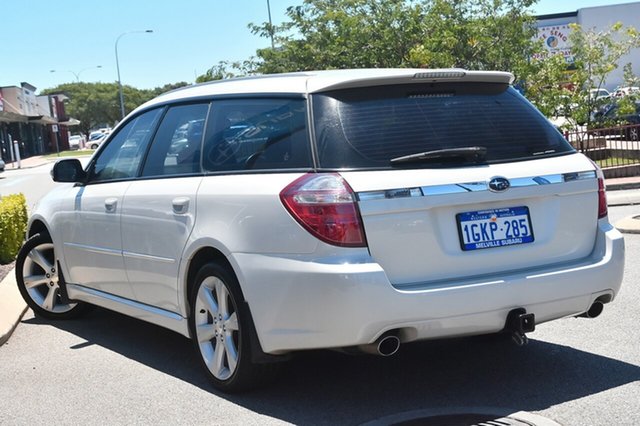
x=34, y=183
x=110, y=369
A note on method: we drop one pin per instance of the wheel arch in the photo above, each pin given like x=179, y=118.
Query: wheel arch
x=37, y=226
x=201, y=257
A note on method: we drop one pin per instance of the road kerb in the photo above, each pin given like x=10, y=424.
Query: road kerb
x=629, y=225
x=12, y=307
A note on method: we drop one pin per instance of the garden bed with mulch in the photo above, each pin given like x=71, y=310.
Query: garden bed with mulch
x=6, y=269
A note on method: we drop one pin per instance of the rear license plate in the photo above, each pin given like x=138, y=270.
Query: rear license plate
x=494, y=228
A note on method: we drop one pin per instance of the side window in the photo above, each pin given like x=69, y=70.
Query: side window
x=177, y=145
x=253, y=134
x=121, y=158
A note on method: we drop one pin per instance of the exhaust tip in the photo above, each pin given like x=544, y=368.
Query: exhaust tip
x=594, y=311
x=388, y=345
x=385, y=345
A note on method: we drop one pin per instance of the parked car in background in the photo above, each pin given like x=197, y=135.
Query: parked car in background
x=97, y=137
x=610, y=116
x=75, y=142
x=2, y=165
x=561, y=123
x=599, y=94
x=626, y=91
x=97, y=140
x=355, y=210
x=96, y=133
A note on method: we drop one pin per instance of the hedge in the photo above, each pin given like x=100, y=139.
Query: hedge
x=13, y=226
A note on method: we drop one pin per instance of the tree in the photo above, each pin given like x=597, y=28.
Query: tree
x=477, y=35
x=97, y=104
x=474, y=34
x=546, y=85
x=595, y=55
x=225, y=69
x=330, y=34
x=93, y=104
x=168, y=87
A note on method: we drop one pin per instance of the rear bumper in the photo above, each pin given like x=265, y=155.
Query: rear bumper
x=303, y=304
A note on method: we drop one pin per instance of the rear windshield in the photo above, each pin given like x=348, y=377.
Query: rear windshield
x=367, y=127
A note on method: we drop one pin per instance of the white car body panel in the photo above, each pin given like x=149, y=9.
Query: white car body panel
x=154, y=233
x=92, y=237
x=417, y=240
x=334, y=303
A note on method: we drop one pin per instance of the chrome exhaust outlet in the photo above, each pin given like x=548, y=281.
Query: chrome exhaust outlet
x=594, y=311
x=386, y=345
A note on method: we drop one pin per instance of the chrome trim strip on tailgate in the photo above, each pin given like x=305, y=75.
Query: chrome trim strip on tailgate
x=459, y=188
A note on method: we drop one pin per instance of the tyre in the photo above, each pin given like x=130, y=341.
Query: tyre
x=39, y=280
x=94, y=146
x=221, y=333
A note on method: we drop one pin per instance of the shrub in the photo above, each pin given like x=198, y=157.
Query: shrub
x=13, y=226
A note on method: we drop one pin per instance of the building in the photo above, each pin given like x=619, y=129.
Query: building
x=38, y=123
x=554, y=31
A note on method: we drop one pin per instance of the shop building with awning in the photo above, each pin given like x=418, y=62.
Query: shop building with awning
x=39, y=123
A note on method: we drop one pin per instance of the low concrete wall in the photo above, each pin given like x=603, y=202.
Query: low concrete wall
x=621, y=171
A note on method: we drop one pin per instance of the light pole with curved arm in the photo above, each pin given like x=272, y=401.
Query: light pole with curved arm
x=118, y=66
x=77, y=74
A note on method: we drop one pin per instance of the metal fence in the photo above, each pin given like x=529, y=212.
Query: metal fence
x=609, y=147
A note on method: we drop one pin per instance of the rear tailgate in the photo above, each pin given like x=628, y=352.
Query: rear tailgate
x=414, y=219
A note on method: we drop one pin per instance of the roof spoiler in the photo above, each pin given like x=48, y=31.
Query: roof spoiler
x=413, y=76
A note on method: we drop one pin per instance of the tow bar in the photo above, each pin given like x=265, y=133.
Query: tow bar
x=518, y=323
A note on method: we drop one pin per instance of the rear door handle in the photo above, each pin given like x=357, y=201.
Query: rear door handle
x=110, y=204
x=180, y=205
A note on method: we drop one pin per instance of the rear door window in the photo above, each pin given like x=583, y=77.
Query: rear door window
x=177, y=144
x=367, y=127
x=257, y=134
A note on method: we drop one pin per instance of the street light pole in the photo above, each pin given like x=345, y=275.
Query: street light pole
x=77, y=74
x=118, y=66
x=270, y=24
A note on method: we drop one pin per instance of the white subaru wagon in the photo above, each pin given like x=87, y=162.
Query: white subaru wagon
x=350, y=209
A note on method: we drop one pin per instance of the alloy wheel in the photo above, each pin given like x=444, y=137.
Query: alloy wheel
x=217, y=330
x=42, y=280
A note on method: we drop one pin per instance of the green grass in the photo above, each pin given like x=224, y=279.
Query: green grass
x=616, y=161
x=77, y=153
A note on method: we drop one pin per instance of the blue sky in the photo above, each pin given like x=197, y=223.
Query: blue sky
x=75, y=36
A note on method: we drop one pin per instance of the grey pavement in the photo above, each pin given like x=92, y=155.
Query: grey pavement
x=620, y=192
x=12, y=307
x=29, y=163
x=40, y=160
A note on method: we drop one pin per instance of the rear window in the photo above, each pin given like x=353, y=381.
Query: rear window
x=367, y=127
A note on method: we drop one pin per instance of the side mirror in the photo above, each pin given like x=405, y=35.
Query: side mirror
x=69, y=170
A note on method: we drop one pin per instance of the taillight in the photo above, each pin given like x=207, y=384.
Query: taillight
x=602, y=198
x=324, y=204
x=602, y=195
